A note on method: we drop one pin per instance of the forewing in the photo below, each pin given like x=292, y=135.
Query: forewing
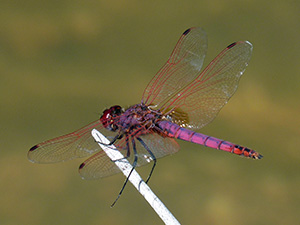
x=200, y=101
x=182, y=67
x=74, y=145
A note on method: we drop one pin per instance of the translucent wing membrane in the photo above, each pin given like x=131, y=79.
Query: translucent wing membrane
x=160, y=146
x=203, y=98
x=98, y=165
x=182, y=67
x=74, y=145
x=190, y=98
x=81, y=144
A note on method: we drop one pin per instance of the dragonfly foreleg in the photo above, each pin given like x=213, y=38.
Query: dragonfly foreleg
x=115, y=138
x=127, y=151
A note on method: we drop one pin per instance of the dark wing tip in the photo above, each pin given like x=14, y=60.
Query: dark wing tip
x=81, y=165
x=187, y=31
x=231, y=45
x=33, y=148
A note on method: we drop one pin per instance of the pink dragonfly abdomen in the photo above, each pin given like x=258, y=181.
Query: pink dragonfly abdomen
x=175, y=131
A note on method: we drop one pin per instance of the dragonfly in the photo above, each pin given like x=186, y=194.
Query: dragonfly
x=179, y=100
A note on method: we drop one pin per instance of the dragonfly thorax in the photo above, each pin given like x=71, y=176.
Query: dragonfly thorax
x=135, y=117
x=138, y=116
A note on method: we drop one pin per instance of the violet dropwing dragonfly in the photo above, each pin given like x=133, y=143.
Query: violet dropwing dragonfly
x=178, y=100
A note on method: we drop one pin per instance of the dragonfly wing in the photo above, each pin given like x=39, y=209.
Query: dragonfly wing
x=99, y=165
x=160, y=146
x=182, y=67
x=200, y=101
x=74, y=145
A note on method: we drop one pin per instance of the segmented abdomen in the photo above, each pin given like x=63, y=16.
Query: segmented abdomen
x=175, y=131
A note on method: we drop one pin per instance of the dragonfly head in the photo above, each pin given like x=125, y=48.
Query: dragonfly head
x=108, y=117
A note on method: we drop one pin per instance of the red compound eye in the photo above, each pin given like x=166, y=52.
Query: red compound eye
x=108, y=116
x=105, y=118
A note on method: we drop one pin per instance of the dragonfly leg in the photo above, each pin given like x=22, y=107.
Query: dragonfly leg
x=127, y=150
x=152, y=156
x=118, y=136
x=133, y=166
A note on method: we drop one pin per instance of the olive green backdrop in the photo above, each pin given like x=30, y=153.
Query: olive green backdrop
x=63, y=62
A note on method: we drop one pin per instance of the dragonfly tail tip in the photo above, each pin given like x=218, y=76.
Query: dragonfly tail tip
x=260, y=156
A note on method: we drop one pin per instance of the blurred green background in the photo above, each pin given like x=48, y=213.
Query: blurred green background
x=63, y=62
